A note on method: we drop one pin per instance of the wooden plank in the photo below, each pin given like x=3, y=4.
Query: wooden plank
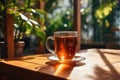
x=41, y=5
x=98, y=62
x=17, y=73
x=77, y=21
x=9, y=39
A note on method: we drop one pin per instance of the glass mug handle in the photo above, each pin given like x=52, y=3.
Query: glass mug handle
x=47, y=45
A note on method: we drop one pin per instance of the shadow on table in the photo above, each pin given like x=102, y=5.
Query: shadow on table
x=57, y=69
x=101, y=74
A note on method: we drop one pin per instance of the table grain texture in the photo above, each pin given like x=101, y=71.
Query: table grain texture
x=99, y=64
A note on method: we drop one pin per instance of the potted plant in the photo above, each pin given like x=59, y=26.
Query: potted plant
x=24, y=24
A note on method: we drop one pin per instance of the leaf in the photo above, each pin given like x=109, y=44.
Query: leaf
x=16, y=25
x=33, y=31
x=28, y=22
x=23, y=17
x=34, y=22
x=1, y=7
x=41, y=34
x=28, y=3
x=38, y=13
x=24, y=29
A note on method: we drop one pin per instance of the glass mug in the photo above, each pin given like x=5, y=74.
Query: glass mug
x=65, y=43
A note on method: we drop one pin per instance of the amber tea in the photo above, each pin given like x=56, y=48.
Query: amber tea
x=65, y=47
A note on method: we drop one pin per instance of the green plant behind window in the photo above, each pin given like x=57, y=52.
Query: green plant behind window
x=27, y=19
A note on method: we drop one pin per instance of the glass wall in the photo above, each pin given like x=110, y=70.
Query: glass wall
x=99, y=22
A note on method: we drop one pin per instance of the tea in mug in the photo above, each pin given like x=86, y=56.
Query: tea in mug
x=65, y=47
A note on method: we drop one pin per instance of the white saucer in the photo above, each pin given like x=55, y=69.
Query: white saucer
x=75, y=59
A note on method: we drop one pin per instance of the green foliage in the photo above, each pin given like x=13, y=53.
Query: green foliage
x=27, y=25
x=51, y=5
x=61, y=22
x=27, y=19
x=102, y=19
x=58, y=21
x=104, y=10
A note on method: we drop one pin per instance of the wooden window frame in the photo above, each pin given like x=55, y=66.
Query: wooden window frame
x=77, y=21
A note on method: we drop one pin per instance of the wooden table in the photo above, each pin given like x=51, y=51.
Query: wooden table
x=100, y=64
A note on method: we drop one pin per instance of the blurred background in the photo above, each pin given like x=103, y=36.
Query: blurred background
x=99, y=22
